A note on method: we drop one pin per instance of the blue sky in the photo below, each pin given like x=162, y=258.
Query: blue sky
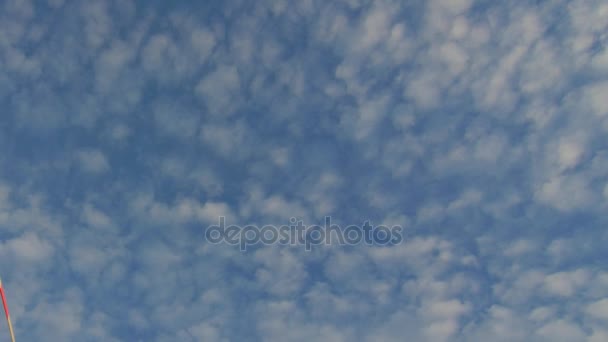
x=127, y=127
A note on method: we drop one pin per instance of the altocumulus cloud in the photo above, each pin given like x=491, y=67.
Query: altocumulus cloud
x=127, y=127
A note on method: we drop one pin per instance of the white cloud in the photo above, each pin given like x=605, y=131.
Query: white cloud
x=565, y=284
x=561, y=330
x=483, y=122
x=93, y=161
x=175, y=120
x=231, y=141
x=519, y=248
x=95, y=218
x=27, y=247
x=220, y=90
x=570, y=153
x=565, y=192
x=594, y=96
x=119, y=132
x=542, y=314
x=598, y=309
x=283, y=274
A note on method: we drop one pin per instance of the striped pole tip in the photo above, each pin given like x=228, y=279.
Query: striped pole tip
x=6, y=312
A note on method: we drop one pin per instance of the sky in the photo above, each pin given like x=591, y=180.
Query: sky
x=128, y=127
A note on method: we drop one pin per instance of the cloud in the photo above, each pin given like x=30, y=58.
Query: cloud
x=565, y=283
x=220, y=90
x=28, y=247
x=93, y=161
x=598, y=309
x=561, y=331
x=479, y=127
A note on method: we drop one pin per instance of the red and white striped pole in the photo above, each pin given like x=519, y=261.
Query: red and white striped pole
x=8, y=316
